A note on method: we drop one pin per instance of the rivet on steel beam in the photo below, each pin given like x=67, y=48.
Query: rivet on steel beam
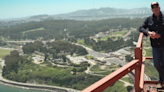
x=128, y=69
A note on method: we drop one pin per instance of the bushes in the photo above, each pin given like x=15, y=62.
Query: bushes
x=58, y=76
x=117, y=87
x=95, y=68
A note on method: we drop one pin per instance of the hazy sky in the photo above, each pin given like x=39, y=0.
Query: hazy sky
x=24, y=8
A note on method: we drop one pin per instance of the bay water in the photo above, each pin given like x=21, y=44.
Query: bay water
x=6, y=88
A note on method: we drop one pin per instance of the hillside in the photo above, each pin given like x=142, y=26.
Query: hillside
x=84, y=15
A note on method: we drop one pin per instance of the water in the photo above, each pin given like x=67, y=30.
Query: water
x=5, y=88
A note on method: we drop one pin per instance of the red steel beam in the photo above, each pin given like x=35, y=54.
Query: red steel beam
x=136, y=64
x=149, y=57
x=151, y=82
x=110, y=79
x=139, y=43
x=142, y=73
x=138, y=55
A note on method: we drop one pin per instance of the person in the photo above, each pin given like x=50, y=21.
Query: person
x=155, y=26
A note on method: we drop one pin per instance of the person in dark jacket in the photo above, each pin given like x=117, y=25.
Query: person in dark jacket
x=155, y=26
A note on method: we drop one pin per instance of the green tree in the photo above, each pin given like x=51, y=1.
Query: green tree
x=128, y=58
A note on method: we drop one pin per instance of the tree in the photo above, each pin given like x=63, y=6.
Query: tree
x=64, y=58
x=74, y=71
x=45, y=56
x=14, y=53
x=71, y=53
x=11, y=62
x=129, y=88
x=128, y=58
x=82, y=51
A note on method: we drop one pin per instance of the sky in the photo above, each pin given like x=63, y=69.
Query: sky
x=25, y=8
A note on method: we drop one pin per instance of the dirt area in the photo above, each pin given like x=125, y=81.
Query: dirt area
x=102, y=67
x=38, y=62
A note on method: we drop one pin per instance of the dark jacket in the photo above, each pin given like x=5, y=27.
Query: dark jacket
x=154, y=25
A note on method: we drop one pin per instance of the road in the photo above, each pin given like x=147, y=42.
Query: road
x=33, y=86
x=95, y=54
x=111, y=60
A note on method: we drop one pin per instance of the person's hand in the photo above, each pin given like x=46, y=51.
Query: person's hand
x=150, y=33
x=153, y=35
x=156, y=36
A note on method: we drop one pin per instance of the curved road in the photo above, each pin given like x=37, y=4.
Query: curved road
x=115, y=60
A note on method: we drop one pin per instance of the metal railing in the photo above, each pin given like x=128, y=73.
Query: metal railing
x=138, y=64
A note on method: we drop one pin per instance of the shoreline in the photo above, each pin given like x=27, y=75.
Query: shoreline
x=26, y=88
x=35, y=86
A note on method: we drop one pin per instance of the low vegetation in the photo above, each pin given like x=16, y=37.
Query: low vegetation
x=95, y=68
x=127, y=79
x=150, y=70
x=37, y=29
x=123, y=32
x=21, y=69
x=117, y=87
x=148, y=52
x=4, y=52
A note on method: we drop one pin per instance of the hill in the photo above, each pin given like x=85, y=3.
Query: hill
x=84, y=15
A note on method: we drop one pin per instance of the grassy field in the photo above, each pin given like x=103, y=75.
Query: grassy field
x=90, y=57
x=127, y=79
x=82, y=42
x=105, y=73
x=150, y=70
x=116, y=87
x=95, y=68
x=120, y=32
x=117, y=34
x=0, y=67
x=4, y=52
x=33, y=30
x=148, y=52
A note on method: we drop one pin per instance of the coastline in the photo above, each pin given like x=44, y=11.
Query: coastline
x=32, y=86
x=35, y=86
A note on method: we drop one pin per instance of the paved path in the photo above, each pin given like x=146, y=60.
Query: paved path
x=33, y=86
x=126, y=83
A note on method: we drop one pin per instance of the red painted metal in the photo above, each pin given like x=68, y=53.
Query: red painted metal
x=151, y=82
x=142, y=74
x=138, y=55
x=139, y=43
x=149, y=57
x=112, y=78
x=137, y=64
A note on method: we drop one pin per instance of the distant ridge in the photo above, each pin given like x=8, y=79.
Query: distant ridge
x=85, y=15
x=104, y=13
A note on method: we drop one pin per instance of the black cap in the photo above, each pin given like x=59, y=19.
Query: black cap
x=154, y=3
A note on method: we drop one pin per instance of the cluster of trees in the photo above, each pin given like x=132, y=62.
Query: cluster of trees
x=21, y=69
x=2, y=43
x=108, y=45
x=60, y=29
x=31, y=47
x=66, y=47
x=54, y=48
x=128, y=58
x=11, y=63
